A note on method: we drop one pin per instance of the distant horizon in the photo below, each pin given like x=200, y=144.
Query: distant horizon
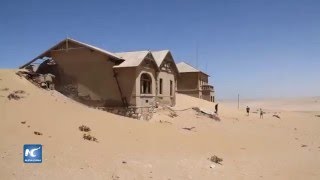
x=259, y=49
x=270, y=98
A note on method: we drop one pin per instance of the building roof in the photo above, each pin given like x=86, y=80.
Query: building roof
x=93, y=48
x=67, y=40
x=159, y=56
x=185, y=68
x=133, y=58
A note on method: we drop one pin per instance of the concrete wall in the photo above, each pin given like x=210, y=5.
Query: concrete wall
x=165, y=97
x=91, y=71
x=188, y=81
x=145, y=99
x=206, y=95
x=203, y=79
x=127, y=81
x=190, y=84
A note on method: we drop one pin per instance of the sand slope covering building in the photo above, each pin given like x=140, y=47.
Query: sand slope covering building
x=97, y=77
x=194, y=82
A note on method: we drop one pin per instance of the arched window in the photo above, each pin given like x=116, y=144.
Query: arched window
x=145, y=84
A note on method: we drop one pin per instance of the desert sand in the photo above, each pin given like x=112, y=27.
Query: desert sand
x=251, y=148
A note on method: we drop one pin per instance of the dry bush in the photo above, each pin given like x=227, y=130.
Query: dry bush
x=37, y=133
x=89, y=137
x=14, y=96
x=216, y=159
x=84, y=128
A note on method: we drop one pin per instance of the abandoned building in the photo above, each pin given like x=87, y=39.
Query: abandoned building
x=194, y=82
x=166, y=78
x=97, y=77
x=137, y=76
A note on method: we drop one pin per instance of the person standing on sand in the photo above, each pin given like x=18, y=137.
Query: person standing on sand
x=216, y=108
x=261, y=114
x=248, y=110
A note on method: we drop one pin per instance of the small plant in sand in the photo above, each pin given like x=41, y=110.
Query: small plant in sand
x=216, y=159
x=14, y=96
x=84, y=128
x=37, y=133
x=89, y=137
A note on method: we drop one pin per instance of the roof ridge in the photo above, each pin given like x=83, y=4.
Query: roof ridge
x=132, y=51
x=190, y=65
x=160, y=50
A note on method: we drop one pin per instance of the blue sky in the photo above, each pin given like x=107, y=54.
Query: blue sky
x=258, y=48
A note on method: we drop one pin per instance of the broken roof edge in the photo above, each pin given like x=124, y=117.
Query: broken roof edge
x=114, y=57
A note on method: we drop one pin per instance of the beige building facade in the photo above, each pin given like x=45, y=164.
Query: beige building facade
x=97, y=77
x=194, y=82
x=166, y=77
x=141, y=79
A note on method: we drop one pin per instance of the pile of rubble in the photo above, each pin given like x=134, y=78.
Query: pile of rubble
x=140, y=113
x=41, y=80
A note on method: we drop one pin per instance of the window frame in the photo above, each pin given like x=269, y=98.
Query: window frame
x=145, y=84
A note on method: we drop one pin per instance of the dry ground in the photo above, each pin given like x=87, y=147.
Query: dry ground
x=251, y=148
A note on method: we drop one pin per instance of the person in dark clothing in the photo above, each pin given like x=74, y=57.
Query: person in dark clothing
x=248, y=110
x=216, y=108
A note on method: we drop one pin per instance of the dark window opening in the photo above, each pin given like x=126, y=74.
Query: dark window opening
x=170, y=88
x=145, y=84
x=160, y=88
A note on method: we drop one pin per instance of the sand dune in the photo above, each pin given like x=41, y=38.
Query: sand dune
x=251, y=148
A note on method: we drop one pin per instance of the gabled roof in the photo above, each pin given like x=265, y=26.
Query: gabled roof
x=93, y=48
x=67, y=40
x=185, y=68
x=133, y=58
x=160, y=56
